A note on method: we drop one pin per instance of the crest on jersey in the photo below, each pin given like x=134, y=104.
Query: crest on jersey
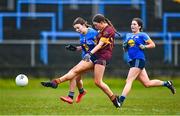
x=131, y=42
x=105, y=33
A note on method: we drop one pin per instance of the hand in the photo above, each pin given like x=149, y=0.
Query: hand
x=70, y=47
x=125, y=45
x=142, y=46
x=87, y=57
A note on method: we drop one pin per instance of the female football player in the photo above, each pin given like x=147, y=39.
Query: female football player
x=87, y=43
x=135, y=44
x=95, y=59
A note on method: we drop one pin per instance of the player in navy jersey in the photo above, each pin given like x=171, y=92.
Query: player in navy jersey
x=135, y=44
x=96, y=58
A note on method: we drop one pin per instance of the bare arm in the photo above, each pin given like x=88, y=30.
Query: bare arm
x=150, y=44
x=97, y=47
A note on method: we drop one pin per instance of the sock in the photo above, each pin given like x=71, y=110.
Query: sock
x=112, y=97
x=81, y=90
x=122, y=98
x=57, y=81
x=165, y=83
x=54, y=82
x=71, y=94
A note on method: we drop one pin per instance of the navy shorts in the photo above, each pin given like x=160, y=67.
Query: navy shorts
x=139, y=63
x=93, y=59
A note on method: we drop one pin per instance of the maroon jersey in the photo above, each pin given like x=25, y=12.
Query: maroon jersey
x=107, y=37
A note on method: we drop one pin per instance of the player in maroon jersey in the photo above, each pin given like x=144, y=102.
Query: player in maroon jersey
x=102, y=53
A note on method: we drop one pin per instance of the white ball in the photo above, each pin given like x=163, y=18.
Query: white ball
x=21, y=80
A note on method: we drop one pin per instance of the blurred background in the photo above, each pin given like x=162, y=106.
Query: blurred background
x=33, y=34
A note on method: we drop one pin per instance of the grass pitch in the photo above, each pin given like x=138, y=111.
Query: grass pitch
x=37, y=100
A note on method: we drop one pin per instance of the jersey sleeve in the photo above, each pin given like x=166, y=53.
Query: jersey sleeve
x=91, y=37
x=107, y=35
x=81, y=39
x=126, y=37
x=145, y=36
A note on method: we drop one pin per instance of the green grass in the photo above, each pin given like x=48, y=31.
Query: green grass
x=37, y=100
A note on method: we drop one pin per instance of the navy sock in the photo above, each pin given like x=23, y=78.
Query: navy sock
x=165, y=83
x=122, y=98
x=81, y=90
x=71, y=94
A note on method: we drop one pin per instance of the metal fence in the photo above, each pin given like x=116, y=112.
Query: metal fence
x=28, y=52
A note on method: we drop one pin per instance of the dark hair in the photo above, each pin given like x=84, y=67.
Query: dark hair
x=139, y=22
x=81, y=21
x=100, y=18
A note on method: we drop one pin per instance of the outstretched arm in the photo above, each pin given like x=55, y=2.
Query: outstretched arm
x=73, y=48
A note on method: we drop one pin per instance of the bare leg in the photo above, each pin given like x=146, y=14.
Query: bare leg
x=79, y=82
x=82, y=91
x=69, y=98
x=144, y=79
x=98, y=76
x=75, y=71
x=72, y=84
x=132, y=75
x=72, y=75
x=80, y=68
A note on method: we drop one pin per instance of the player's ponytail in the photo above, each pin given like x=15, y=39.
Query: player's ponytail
x=100, y=18
x=81, y=21
x=110, y=24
